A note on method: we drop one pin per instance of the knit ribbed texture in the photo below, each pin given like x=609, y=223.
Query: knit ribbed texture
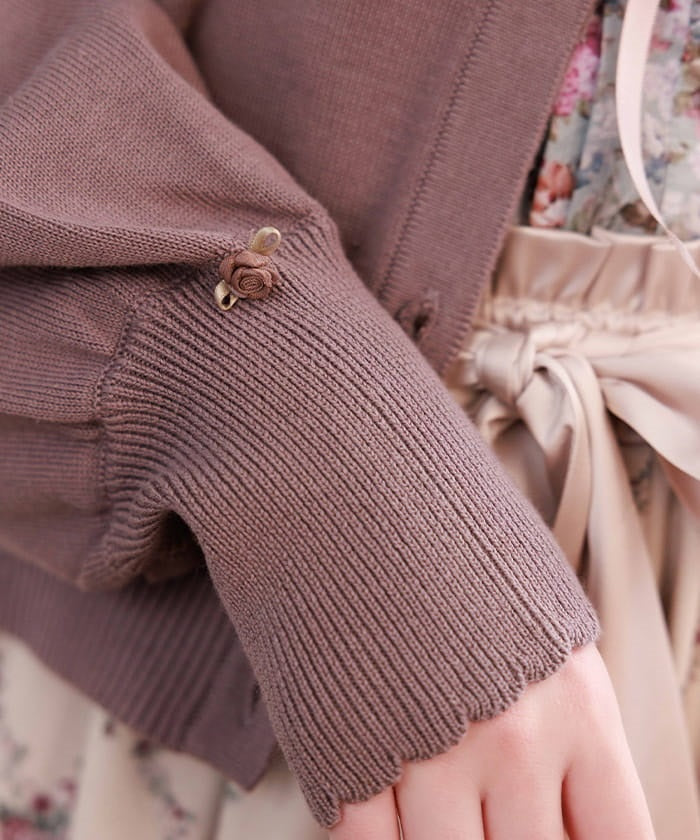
x=386, y=581
x=163, y=658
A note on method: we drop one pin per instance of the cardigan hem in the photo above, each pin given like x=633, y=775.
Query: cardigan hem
x=163, y=658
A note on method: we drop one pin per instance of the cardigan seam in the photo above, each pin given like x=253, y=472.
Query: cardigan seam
x=489, y=258
x=427, y=169
x=450, y=115
x=100, y=392
x=119, y=357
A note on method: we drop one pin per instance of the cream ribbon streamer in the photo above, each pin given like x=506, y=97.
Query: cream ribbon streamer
x=635, y=37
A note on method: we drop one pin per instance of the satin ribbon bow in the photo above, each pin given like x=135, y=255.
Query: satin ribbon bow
x=563, y=380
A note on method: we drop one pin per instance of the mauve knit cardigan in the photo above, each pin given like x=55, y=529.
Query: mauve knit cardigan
x=291, y=472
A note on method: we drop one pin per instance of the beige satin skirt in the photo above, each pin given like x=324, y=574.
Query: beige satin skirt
x=583, y=374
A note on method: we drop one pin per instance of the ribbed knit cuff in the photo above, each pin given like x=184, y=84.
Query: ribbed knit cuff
x=386, y=580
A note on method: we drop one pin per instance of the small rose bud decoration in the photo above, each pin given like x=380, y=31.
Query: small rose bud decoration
x=249, y=273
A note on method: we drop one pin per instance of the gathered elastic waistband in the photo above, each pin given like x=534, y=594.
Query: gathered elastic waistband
x=571, y=330
x=555, y=274
x=618, y=305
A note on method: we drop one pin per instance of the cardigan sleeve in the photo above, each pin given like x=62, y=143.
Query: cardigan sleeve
x=386, y=580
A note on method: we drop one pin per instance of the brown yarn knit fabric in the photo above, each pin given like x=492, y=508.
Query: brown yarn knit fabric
x=386, y=581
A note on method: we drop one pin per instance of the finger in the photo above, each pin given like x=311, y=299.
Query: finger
x=375, y=819
x=439, y=798
x=603, y=797
x=524, y=805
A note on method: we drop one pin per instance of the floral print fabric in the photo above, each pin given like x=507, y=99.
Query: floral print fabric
x=582, y=180
x=69, y=771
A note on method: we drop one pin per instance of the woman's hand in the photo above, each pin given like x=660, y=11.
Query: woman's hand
x=556, y=759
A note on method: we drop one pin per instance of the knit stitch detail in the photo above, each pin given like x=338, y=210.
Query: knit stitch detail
x=387, y=581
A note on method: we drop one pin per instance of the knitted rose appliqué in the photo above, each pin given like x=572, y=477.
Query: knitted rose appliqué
x=249, y=273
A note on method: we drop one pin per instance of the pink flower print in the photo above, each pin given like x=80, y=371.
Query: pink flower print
x=41, y=803
x=659, y=44
x=555, y=185
x=580, y=77
x=17, y=828
x=68, y=787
